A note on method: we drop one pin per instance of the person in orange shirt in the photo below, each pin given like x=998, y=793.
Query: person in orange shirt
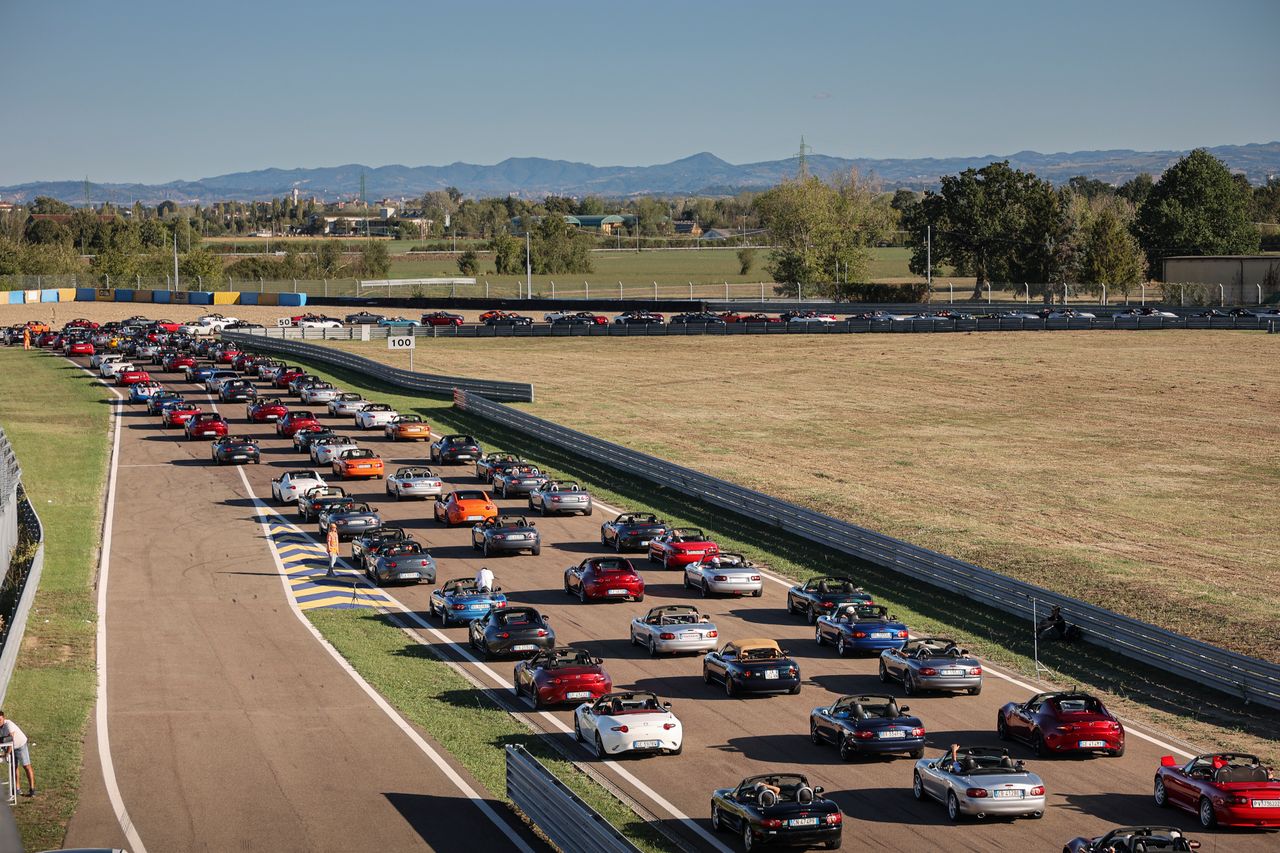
x=331, y=545
x=26, y=338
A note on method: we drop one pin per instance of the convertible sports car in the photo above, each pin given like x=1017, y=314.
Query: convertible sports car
x=143, y=391
x=177, y=361
x=402, y=323
x=452, y=449
x=315, y=499
x=631, y=530
x=237, y=391
x=1225, y=788
x=366, y=547
x=318, y=392
x=461, y=600
x=346, y=405
x=724, y=574
x=560, y=675
x=628, y=722
x=557, y=496
x=505, y=318
x=265, y=410
x=226, y=355
x=204, y=425
x=638, y=318
x=177, y=414
x=294, y=421
x=288, y=487
x=698, y=318
x=298, y=383
x=319, y=322
x=358, y=464
x=1134, y=839
x=506, y=534
x=324, y=450
x=982, y=781
x=680, y=547
x=286, y=374
x=807, y=317
x=751, y=666
x=517, y=480
x=777, y=809
x=1062, y=722
x=401, y=562
x=463, y=505
x=362, y=318
x=575, y=318
x=303, y=438
x=350, y=518
x=407, y=428
x=375, y=415
x=861, y=628
x=231, y=449
x=867, y=725
x=735, y=317
x=511, y=630
x=820, y=595
x=672, y=629
x=931, y=663
x=488, y=465
x=213, y=382
x=80, y=348
x=442, y=318
x=414, y=482
x=604, y=579
x=266, y=369
x=111, y=369
x=156, y=402
x=1136, y=313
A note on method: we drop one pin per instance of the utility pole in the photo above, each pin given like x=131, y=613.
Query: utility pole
x=928, y=255
x=528, y=266
x=175, y=259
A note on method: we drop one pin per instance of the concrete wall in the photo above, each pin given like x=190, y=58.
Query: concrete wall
x=1239, y=276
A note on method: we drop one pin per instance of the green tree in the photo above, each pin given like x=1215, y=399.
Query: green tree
x=1266, y=202
x=508, y=254
x=1110, y=254
x=51, y=259
x=44, y=232
x=1136, y=189
x=746, y=260
x=11, y=257
x=375, y=260
x=1196, y=208
x=48, y=204
x=202, y=267
x=329, y=258
x=557, y=248
x=468, y=263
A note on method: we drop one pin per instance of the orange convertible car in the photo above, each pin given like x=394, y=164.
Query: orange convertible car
x=464, y=506
x=361, y=462
x=408, y=428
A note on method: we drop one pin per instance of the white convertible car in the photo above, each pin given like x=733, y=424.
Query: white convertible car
x=636, y=722
x=375, y=416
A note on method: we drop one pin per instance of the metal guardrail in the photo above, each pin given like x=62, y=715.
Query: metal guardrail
x=10, y=476
x=569, y=823
x=17, y=625
x=426, y=383
x=1248, y=678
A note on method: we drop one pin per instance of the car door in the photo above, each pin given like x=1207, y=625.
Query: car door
x=1182, y=787
x=932, y=777
x=1023, y=719
x=895, y=663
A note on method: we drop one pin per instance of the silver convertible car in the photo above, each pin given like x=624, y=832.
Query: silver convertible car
x=725, y=574
x=932, y=663
x=981, y=781
x=674, y=628
x=555, y=496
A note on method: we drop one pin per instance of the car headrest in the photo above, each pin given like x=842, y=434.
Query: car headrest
x=767, y=798
x=804, y=795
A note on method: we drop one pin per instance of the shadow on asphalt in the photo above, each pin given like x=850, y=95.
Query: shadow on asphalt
x=464, y=834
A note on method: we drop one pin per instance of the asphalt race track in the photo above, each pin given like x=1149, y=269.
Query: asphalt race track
x=231, y=726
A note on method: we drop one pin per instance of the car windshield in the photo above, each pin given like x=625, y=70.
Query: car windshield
x=410, y=419
x=400, y=549
x=986, y=764
x=515, y=618
x=348, y=398
x=567, y=657
x=469, y=495
x=1078, y=705
x=359, y=453
x=413, y=473
x=856, y=612
x=679, y=619
x=612, y=564
x=761, y=653
x=459, y=439
x=299, y=416
x=685, y=534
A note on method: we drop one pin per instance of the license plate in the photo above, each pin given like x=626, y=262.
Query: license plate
x=410, y=575
x=690, y=635
x=239, y=456
x=770, y=674
x=803, y=821
x=1092, y=744
x=616, y=592
x=1265, y=804
x=270, y=417
x=953, y=672
x=523, y=647
x=695, y=552
x=880, y=635
x=474, y=518
x=644, y=541
x=892, y=733
x=364, y=466
x=648, y=744
x=1009, y=795
x=578, y=694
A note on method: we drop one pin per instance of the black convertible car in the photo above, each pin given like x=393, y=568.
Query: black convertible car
x=631, y=530
x=512, y=630
x=777, y=809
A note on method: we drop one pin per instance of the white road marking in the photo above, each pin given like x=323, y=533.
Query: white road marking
x=104, y=567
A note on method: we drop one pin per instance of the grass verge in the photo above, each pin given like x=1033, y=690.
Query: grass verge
x=55, y=416
x=463, y=720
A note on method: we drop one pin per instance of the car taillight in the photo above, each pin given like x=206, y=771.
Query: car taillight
x=976, y=670
x=666, y=636
x=771, y=823
x=1236, y=801
x=1114, y=726
x=917, y=732
x=834, y=819
x=720, y=578
x=713, y=633
x=541, y=632
x=622, y=729
x=902, y=635
x=828, y=604
x=499, y=604
x=668, y=726
x=555, y=500
x=1037, y=791
x=459, y=607
x=975, y=792
x=555, y=681
x=755, y=577
x=864, y=735
x=859, y=635
x=499, y=536
x=391, y=564
x=928, y=670
x=504, y=635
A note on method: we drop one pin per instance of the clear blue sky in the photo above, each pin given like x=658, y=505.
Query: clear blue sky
x=151, y=91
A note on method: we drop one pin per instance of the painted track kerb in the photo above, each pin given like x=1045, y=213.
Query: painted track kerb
x=104, y=567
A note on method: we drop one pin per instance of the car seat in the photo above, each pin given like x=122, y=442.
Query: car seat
x=804, y=795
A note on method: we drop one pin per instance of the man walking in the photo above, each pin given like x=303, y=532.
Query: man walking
x=26, y=337
x=15, y=739
x=331, y=545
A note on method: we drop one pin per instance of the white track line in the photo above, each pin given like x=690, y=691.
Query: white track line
x=104, y=566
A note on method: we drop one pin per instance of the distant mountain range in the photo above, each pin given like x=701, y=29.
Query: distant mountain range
x=701, y=174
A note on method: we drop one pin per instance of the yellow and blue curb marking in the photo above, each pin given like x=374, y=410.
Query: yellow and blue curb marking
x=306, y=564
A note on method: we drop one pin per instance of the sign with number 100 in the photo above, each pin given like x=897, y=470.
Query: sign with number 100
x=401, y=342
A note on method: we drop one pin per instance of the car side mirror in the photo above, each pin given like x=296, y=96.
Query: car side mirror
x=818, y=789
x=666, y=704
x=1193, y=844
x=904, y=709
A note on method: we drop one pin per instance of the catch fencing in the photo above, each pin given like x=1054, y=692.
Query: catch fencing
x=426, y=383
x=557, y=812
x=20, y=578
x=1248, y=678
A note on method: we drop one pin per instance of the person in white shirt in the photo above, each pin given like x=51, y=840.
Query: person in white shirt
x=484, y=579
x=14, y=738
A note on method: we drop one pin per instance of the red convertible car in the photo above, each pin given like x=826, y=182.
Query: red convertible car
x=261, y=411
x=1227, y=788
x=81, y=348
x=206, y=424
x=179, y=415
x=1062, y=722
x=285, y=375
x=681, y=546
x=565, y=674
x=132, y=377
x=604, y=578
x=294, y=421
x=442, y=318
x=175, y=362
x=735, y=317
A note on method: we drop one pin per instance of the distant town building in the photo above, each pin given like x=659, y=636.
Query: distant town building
x=688, y=226
x=607, y=224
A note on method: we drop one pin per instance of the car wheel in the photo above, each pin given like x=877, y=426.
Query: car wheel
x=884, y=674
x=794, y=691
x=1002, y=728
x=974, y=691
x=567, y=590
x=1116, y=753
x=706, y=676
x=484, y=549
x=815, y=736
x=917, y=753
x=648, y=556
x=653, y=647
x=841, y=648
x=909, y=684
x=1161, y=795
x=1207, y=817
x=817, y=635
x=591, y=511
x=537, y=549
x=717, y=825
x=917, y=786
x=847, y=751
x=617, y=546
x=684, y=581
x=639, y=598
x=810, y=616
x=706, y=592
x=953, y=806
x=748, y=840
x=577, y=729
x=582, y=593
x=599, y=746
x=728, y=685
x=758, y=593
x=1038, y=744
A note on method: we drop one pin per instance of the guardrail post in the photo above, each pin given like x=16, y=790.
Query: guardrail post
x=587, y=289
x=726, y=291
x=690, y=291
x=553, y=289
x=619, y=291
x=655, y=292
x=762, y=291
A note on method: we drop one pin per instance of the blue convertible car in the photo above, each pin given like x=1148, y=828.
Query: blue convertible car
x=459, y=600
x=861, y=628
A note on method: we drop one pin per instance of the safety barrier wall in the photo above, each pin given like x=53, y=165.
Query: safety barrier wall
x=10, y=476
x=570, y=824
x=1244, y=677
x=15, y=513
x=427, y=383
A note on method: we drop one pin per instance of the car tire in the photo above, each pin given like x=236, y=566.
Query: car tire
x=748, y=840
x=1002, y=728
x=588, y=514
x=577, y=729
x=706, y=675
x=1208, y=819
x=917, y=753
x=537, y=549
x=810, y=616
x=817, y=635
x=908, y=684
x=653, y=647
x=474, y=546
x=841, y=649
x=1038, y=744
x=847, y=753
x=599, y=746
x=791, y=605
x=1161, y=795
x=917, y=786
x=717, y=825
x=758, y=593
x=1116, y=753
x=728, y=686
x=567, y=590
x=706, y=591
x=884, y=674
x=815, y=736
x=974, y=691
x=794, y=691
x=484, y=549
x=582, y=593
x=617, y=546
x=684, y=581
x=953, y=807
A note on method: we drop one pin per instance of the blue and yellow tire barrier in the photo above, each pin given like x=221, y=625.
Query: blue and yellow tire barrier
x=165, y=297
x=306, y=563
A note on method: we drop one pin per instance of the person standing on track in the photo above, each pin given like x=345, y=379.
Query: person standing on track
x=484, y=579
x=26, y=337
x=15, y=739
x=331, y=545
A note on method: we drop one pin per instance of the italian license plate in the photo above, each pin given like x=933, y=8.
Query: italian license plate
x=271, y=417
x=362, y=465
x=473, y=518
x=953, y=672
x=1092, y=744
x=523, y=647
x=239, y=456
x=1009, y=795
x=1266, y=804
x=648, y=744
x=617, y=592
x=578, y=694
x=410, y=575
x=644, y=541
x=770, y=674
x=803, y=821
x=690, y=635
x=891, y=734
x=880, y=635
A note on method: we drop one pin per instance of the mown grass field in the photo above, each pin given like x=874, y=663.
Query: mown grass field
x=57, y=418
x=1131, y=470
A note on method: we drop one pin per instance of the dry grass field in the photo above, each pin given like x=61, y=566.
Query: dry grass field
x=1137, y=471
